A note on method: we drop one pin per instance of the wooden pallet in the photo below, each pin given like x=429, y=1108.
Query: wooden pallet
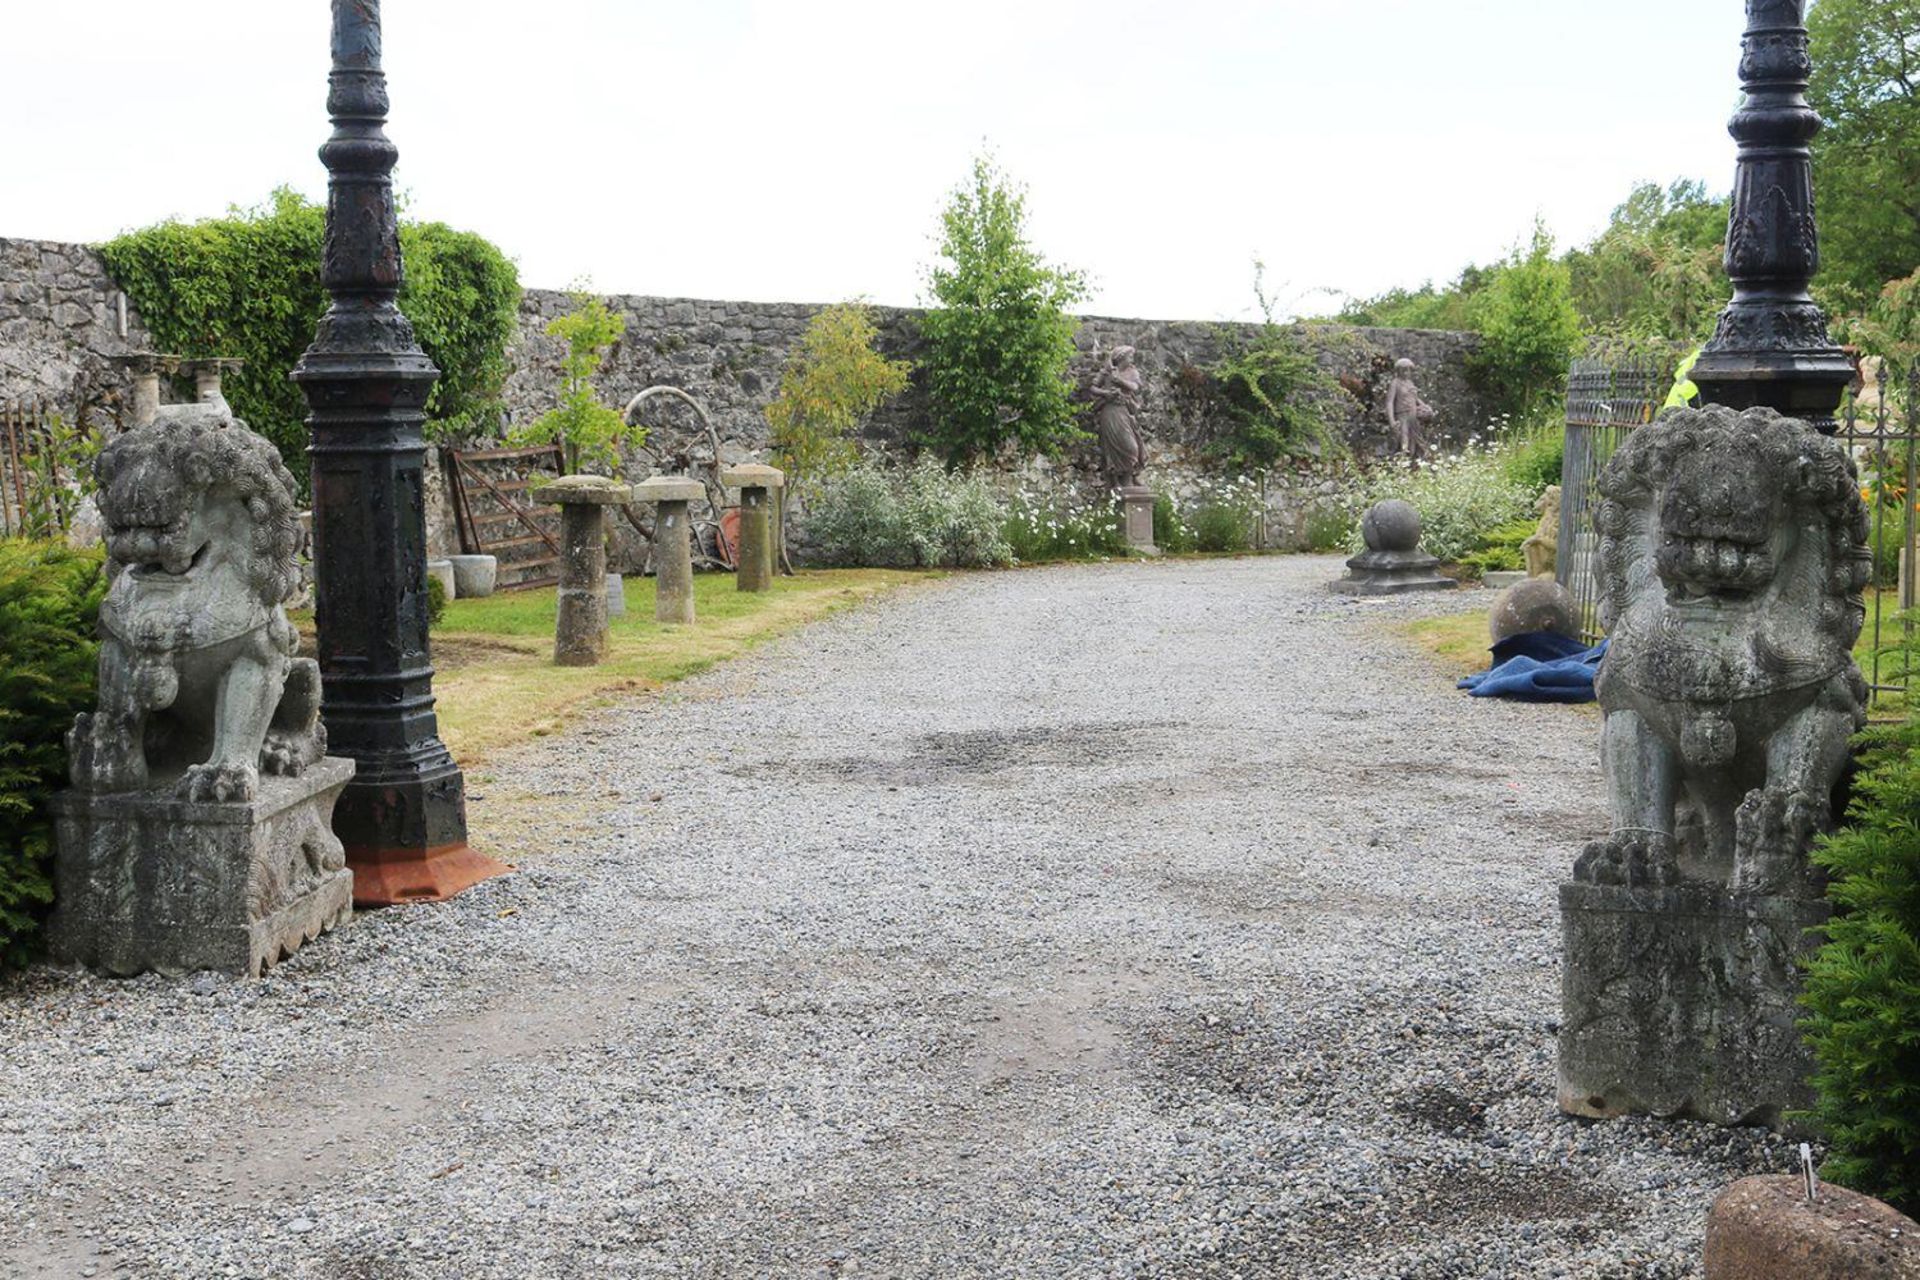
x=495, y=519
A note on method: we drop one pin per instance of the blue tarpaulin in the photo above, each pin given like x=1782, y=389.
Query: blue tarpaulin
x=1540, y=666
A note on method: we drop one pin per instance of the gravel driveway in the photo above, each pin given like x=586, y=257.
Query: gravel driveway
x=1157, y=920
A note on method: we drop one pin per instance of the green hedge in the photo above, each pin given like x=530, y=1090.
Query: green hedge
x=49, y=600
x=248, y=286
x=1863, y=986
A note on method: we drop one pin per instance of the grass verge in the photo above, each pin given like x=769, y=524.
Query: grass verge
x=497, y=684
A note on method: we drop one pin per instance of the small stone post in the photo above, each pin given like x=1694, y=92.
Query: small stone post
x=580, y=629
x=672, y=545
x=756, y=483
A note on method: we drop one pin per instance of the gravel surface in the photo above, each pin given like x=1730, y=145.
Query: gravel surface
x=1132, y=920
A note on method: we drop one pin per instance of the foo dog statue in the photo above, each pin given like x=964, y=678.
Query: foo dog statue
x=174, y=854
x=1731, y=564
x=197, y=674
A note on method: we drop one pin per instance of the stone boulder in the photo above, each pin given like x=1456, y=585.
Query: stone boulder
x=1765, y=1229
x=1537, y=604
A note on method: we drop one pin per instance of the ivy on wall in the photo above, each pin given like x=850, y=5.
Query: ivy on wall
x=248, y=286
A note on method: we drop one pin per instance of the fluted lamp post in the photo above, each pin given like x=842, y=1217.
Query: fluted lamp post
x=1771, y=347
x=403, y=819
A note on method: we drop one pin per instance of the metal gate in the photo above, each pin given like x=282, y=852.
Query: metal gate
x=1605, y=401
x=495, y=519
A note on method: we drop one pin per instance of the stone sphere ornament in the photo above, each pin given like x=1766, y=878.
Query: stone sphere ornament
x=1393, y=563
x=1392, y=525
x=1533, y=606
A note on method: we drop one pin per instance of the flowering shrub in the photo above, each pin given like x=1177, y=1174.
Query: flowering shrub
x=1047, y=520
x=1462, y=497
x=1221, y=516
x=922, y=517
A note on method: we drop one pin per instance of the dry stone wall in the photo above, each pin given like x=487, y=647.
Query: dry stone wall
x=61, y=323
x=60, y=327
x=729, y=356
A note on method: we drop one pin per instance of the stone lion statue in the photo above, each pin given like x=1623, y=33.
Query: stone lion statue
x=1732, y=558
x=198, y=684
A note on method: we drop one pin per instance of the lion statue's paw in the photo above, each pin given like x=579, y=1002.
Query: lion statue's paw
x=219, y=783
x=1631, y=859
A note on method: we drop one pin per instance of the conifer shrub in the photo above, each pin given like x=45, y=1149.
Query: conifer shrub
x=49, y=602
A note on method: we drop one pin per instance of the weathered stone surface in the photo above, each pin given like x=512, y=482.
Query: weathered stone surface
x=197, y=676
x=584, y=490
x=1533, y=605
x=148, y=881
x=755, y=571
x=1731, y=564
x=1730, y=568
x=1136, y=519
x=752, y=475
x=1542, y=550
x=1392, y=564
x=1681, y=1002
x=668, y=489
x=474, y=576
x=1118, y=393
x=443, y=570
x=580, y=623
x=673, y=562
x=616, y=596
x=60, y=333
x=1766, y=1229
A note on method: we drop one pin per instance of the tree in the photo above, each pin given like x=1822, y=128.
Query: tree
x=248, y=285
x=833, y=380
x=1656, y=271
x=1867, y=86
x=999, y=338
x=588, y=432
x=1529, y=327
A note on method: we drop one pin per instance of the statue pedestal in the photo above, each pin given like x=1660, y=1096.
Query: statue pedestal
x=1393, y=573
x=1681, y=1003
x=146, y=881
x=1136, y=519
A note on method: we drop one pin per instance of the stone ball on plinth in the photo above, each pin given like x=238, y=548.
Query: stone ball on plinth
x=1392, y=525
x=1538, y=604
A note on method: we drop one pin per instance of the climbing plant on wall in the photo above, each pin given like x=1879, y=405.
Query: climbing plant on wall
x=248, y=285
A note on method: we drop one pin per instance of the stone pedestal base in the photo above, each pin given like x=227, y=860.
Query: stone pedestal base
x=1680, y=1003
x=1392, y=573
x=1136, y=520
x=147, y=882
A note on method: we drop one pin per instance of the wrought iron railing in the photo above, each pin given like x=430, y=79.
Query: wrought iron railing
x=1605, y=401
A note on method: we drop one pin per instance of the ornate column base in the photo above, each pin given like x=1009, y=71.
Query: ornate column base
x=1682, y=1003
x=392, y=877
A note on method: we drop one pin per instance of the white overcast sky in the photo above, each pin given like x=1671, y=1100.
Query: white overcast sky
x=799, y=150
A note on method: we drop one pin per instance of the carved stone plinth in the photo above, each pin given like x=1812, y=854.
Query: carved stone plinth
x=1681, y=1003
x=147, y=881
x=1136, y=519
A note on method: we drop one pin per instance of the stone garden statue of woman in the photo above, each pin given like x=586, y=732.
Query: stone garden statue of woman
x=1117, y=393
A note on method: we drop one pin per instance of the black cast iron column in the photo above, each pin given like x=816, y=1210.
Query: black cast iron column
x=1772, y=347
x=403, y=819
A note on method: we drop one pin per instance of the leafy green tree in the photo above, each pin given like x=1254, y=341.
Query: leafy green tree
x=832, y=381
x=1529, y=326
x=999, y=337
x=1428, y=307
x=1867, y=86
x=1656, y=271
x=248, y=285
x=589, y=433
x=1863, y=986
